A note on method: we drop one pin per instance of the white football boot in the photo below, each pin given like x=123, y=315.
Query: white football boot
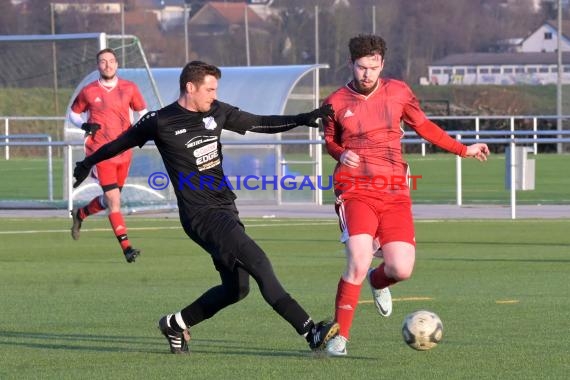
x=336, y=346
x=382, y=298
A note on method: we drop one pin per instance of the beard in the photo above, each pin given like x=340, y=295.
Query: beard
x=108, y=77
x=357, y=86
x=365, y=90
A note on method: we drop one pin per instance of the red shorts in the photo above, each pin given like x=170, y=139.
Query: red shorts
x=111, y=173
x=387, y=218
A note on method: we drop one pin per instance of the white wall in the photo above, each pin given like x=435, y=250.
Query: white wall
x=537, y=43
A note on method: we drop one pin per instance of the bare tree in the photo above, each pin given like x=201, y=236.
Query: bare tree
x=417, y=32
x=9, y=15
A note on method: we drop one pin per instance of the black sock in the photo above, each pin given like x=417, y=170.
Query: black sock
x=309, y=336
x=293, y=313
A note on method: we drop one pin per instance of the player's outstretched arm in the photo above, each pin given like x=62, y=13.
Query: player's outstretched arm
x=244, y=121
x=325, y=112
x=478, y=151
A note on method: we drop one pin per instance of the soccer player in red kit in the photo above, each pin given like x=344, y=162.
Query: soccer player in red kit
x=109, y=102
x=370, y=179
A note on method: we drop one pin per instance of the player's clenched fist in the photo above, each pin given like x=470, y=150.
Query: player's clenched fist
x=478, y=151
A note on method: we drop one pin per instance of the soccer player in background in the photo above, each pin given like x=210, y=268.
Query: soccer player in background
x=109, y=102
x=187, y=136
x=373, y=197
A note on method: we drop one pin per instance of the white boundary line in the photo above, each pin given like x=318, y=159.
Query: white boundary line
x=402, y=299
x=276, y=224
x=267, y=223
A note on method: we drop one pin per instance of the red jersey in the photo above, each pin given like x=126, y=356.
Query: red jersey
x=370, y=126
x=108, y=107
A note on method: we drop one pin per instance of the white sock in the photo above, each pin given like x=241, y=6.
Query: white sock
x=180, y=321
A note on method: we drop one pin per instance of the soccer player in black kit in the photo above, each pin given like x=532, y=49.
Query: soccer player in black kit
x=187, y=135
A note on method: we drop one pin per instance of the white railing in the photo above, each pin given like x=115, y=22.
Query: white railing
x=47, y=139
x=511, y=119
x=6, y=137
x=511, y=137
x=512, y=140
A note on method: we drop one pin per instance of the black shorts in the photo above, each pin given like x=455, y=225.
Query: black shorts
x=219, y=231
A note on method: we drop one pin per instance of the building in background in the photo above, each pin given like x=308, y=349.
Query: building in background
x=529, y=60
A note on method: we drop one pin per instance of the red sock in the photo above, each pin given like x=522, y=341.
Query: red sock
x=379, y=280
x=93, y=207
x=119, y=228
x=345, y=305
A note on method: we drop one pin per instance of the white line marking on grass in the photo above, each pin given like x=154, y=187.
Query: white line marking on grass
x=159, y=228
x=293, y=224
x=402, y=299
x=506, y=302
x=530, y=220
x=85, y=230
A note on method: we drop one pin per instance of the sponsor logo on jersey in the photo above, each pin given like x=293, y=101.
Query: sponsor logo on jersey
x=205, y=149
x=209, y=123
x=348, y=113
x=180, y=131
x=208, y=161
x=207, y=156
x=194, y=141
x=97, y=100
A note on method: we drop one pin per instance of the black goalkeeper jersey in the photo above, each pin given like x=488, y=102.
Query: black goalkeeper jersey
x=189, y=143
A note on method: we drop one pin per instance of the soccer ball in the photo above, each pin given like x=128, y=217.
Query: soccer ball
x=422, y=330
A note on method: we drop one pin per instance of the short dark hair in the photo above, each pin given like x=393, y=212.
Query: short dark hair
x=106, y=50
x=195, y=72
x=364, y=45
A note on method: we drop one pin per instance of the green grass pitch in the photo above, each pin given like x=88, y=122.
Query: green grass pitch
x=76, y=310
